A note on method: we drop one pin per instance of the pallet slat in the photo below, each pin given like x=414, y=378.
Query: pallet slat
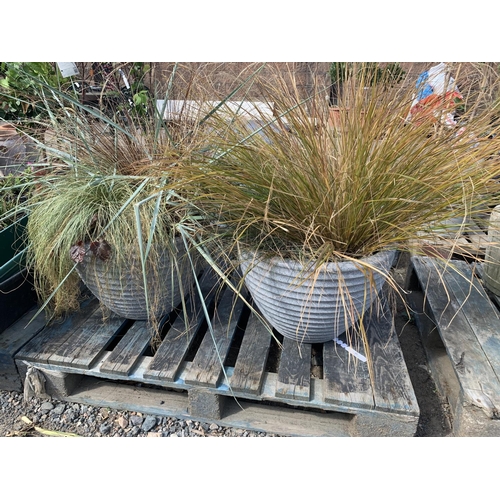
x=206, y=367
x=392, y=389
x=477, y=378
x=294, y=378
x=469, y=292
x=129, y=349
x=169, y=357
x=41, y=347
x=347, y=380
x=88, y=341
x=249, y=369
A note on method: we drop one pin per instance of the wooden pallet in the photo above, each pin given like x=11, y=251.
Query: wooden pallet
x=460, y=329
x=460, y=238
x=306, y=390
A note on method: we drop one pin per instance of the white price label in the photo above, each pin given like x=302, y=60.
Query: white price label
x=351, y=350
x=67, y=69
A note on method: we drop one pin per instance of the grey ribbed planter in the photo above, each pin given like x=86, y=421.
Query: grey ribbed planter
x=121, y=289
x=313, y=314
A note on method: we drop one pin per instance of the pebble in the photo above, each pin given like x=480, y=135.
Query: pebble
x=59, y=409
x=70, y=415
x=134, y=431
x=105, y=429
x=136, y=420
x=122, y=422
x=148, y=423
x=47, y=406
x=89, y=421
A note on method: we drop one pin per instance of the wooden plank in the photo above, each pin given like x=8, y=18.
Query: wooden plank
x=22, y=331
x=392, y=388
x=479, y=311
x=11, y=340
x=41, y=347
x=478, y=380
x=294, y=372
x=129, y=349
x=88, y=340
x=477, y=236
x=482, y=220
x=459, y=236
x=206, y=368
x=249, y=368
x=167, y=360
x=346, y=379
x=244, y=415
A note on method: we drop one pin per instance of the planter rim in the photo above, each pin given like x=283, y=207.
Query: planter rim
x=296, y=265
x=9, y=227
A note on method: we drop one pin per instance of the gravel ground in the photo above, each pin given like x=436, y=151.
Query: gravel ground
x=87, y=421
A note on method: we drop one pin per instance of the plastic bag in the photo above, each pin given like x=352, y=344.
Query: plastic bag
x=436, y=96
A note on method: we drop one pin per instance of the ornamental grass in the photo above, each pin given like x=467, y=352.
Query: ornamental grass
x=297, y=185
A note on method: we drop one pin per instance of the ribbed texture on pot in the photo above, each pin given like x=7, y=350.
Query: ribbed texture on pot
x=313, y=310
x=121, y=289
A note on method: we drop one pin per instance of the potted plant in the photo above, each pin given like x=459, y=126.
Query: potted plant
x=305, y=210
x=110, y=209
x=105, y=211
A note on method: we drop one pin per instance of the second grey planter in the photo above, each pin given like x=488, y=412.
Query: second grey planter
x=121, y=288
x=314, y=308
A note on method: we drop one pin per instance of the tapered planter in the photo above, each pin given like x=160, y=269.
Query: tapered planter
x=121, y=288
x=314, y=309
